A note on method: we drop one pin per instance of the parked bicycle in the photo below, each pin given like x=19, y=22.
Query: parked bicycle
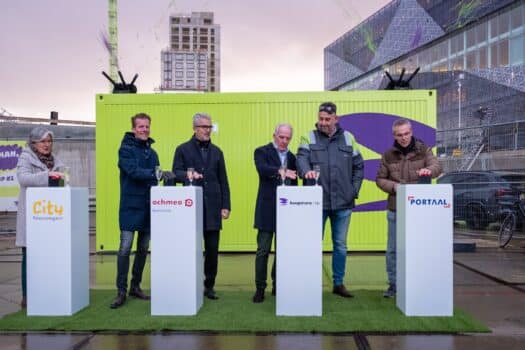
x=513, y=220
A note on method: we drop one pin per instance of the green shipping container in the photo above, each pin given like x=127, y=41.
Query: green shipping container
x=244, y=121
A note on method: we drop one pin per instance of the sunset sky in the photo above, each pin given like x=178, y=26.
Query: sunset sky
x=52, y=55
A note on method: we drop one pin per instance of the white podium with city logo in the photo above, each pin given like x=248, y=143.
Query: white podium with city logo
x=299, y=285
x=424, y=250
x=176, y=250
x=57, y=222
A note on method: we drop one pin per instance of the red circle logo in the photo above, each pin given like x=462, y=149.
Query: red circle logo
x=188, y=202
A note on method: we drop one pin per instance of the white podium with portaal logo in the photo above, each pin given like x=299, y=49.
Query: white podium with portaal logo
x=57, y=223
x=176, y=250
x=424, y=250
x=299, y=235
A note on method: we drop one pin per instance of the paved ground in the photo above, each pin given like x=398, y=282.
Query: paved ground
x=488, y=283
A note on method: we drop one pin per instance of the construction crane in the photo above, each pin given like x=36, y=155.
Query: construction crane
x=113, y=39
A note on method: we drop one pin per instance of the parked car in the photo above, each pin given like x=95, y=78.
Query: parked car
x=482, y=197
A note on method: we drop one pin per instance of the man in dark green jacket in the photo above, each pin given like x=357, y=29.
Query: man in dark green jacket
x=336, y=153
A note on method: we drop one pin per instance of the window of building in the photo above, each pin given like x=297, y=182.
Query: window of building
x=178, y=65
x=175, y=20
x=204, y=47
x=440, y=51
x=456, y=44
x=186, y=30
x=179, y=56
x=516, y=17
x=178, y=83
x=424, y=58
x=482, y=32
x=190, y=56
x=203, y=40
x=190, y=74
x=457, y=63
x=503, y=53
x=517, y=50
x=185, y=46
x=471, y=37
x=207, y=21
x=212, y=31
x=494, y=55
x=503, y=23
x=483, y=62
x=204, y=31
x=494, y=27
x=202, y=65
x=472, y=60
x=190, y=65
x=202, y=57
x=179, y=74
x=185, y=39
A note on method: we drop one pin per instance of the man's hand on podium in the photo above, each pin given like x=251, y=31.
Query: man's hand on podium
x=225, y=213
x=167, y=176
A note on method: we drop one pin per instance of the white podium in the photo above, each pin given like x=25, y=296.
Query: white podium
x=299, y=251
x=176, y=250
x=424, y=250
x=57, y=250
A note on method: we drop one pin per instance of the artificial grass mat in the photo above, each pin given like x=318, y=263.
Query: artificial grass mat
x=234, y=312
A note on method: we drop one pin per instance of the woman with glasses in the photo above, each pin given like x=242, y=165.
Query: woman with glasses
x=37, y=167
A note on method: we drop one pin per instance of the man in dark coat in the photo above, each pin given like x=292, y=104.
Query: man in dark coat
x=137, y=162
x=209, y=171
x=271, y=161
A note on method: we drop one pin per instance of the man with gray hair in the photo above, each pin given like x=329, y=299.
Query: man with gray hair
x=270, y=160
x=405, y=162
x=209, y=171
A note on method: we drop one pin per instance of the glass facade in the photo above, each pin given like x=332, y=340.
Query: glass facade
x=474, y=56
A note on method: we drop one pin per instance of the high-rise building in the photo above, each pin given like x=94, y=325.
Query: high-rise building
x=471, y=52
x=192, y=61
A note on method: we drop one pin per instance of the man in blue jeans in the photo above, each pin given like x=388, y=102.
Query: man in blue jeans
x=405, y=162
x=137, y=162
x=336, y=153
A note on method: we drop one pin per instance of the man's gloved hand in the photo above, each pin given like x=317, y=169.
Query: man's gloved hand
x=167, y=176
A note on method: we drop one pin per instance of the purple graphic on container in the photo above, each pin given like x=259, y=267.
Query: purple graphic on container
x=371, y=206
x=374, y=131
x=9, y=156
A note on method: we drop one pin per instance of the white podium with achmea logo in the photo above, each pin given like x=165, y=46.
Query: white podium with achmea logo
x=299, y=257
x=424, y=250
x=57, y=222
x=176, y=250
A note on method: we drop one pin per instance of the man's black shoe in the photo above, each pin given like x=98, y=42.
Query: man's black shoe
x=119, y=300
x=258, y=297
x=390, y=292
x=136, y=292
x=210, y=294
x=342, y=291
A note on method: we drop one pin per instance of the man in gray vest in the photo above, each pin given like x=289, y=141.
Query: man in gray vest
x=336, y=153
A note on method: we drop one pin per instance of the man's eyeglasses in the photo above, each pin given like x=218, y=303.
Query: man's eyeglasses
x=45, y=142
x=208, y=127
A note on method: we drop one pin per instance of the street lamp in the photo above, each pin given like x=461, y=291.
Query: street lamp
x=461, y=76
